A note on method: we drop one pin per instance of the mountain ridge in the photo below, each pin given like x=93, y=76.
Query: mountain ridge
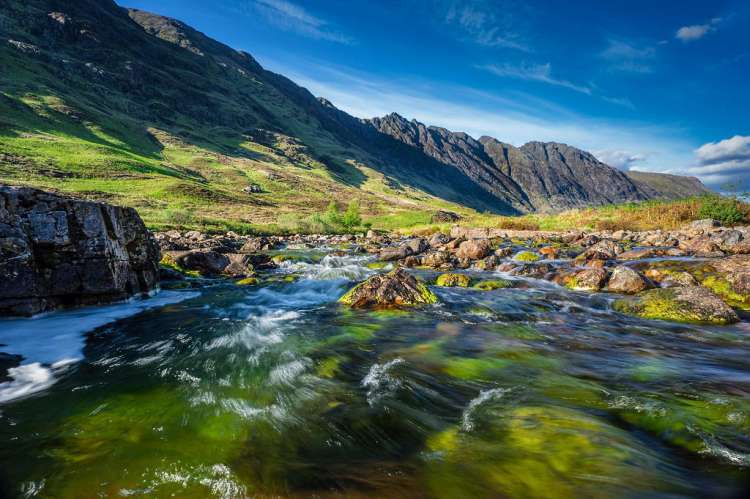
x=144, y=91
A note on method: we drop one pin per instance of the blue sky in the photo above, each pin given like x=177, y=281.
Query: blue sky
x=649, y=85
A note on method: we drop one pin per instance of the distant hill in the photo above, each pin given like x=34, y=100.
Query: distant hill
x=143, y=110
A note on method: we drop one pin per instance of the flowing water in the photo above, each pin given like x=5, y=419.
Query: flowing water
x=276, y=391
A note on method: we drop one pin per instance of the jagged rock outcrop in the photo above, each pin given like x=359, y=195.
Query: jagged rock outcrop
x=58, y=252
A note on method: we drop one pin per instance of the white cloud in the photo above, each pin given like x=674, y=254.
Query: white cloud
x=622, y=160
x=726, y=161
x=533, y=72
x=487, y=23
x=735, y=148
x=291, y=17
x=697, y=31
x=627, y=57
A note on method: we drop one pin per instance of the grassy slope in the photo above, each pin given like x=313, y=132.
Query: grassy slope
x=77, y=136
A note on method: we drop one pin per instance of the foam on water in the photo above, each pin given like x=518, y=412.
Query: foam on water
x=467, y=423
x=57, y=339
x=349, y=267
x=380, y=382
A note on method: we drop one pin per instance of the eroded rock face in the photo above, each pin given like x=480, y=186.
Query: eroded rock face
x=693, y=304
x=58, y=252
x=394, y=289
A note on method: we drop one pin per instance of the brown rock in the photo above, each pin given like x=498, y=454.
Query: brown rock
x=626, y=280
x=474, y=249
x=397, y=288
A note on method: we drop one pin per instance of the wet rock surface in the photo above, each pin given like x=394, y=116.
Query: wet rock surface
x=694, y=304
x=394, y=289
x=58, y=252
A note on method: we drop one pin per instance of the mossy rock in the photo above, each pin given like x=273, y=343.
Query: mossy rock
x=493, y=284
x=453, y=280
x=690, y=304
x=247, y=281
x=397, y=288
x=169, y=262
x=377, y=265
x=537, y=452
x=723, y=288
x=527, y=256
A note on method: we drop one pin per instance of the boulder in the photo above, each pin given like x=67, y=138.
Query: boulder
x=626, y=280
x=691, y=304
x=444, y=216
x=706, y=223
x=394, y=253
x=453, y=280
x=436, y=259
x=394, y=289
x=587, y=280
x=417, y=245
x=438, y=239
x=206, y=262
x=731, y=281
x=474, y=249
x=56, y=251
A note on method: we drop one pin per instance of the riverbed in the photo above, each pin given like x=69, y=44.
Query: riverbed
x=278, y=391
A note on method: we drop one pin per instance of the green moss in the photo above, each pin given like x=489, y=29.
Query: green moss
x=660, y=304
x=248, y=281
x=472, y=369
x=453, y=280
x=491, y=285
x=377, y=265
x=537, y=452
x=723, y=288
x=424, y=295
x=328, y=368
x=526, y=256
x=167, y=261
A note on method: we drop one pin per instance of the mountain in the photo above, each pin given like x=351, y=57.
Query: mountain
x=139, y=109
x=665, y=186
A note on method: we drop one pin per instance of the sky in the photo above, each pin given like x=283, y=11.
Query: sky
x=651, y=85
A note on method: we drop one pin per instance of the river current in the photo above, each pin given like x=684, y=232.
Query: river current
x=277, y=391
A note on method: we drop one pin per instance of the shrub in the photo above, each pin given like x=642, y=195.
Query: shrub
x=517, y=224
x=728, y=211
x=351, y=218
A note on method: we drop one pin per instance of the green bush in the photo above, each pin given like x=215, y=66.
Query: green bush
x=351, y=218
x=728, y=211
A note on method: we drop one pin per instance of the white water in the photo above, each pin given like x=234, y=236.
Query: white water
x=350, y=268
x=50, y=342
x=380, y=382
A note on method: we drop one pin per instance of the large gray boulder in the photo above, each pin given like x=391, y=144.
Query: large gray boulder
x=59, y=252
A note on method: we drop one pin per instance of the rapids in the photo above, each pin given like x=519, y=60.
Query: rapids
x=277, y=391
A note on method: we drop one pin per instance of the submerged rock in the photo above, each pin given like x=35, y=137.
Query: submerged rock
x=396, y=288
x=692, y=304
x=453, y=280
x=493, y=284
x=56, y=251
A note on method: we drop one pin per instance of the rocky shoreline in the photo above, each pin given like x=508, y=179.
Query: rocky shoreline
x=711, y=264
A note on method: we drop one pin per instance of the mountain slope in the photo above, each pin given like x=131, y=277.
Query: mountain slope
x=142, y=110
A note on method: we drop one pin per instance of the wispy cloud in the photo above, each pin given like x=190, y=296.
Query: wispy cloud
x=490, y=24
x=291, y=17
x=697, y=31
x=513, y=117
x=623, y=160
x=628, y=57
x=533, y=72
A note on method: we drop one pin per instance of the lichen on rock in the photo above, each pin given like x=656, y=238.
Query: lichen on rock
x=394, y=289
x=453, y=280
x=690, y=304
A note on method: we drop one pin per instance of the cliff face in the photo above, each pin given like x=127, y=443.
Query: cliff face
x=59, y=252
